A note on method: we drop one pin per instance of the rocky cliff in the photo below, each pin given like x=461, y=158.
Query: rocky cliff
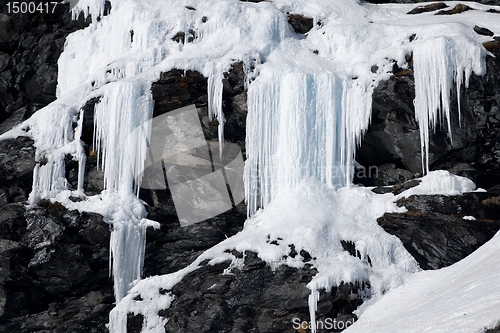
x=54, y=273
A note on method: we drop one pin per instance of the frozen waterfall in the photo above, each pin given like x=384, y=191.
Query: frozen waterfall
x=309, y=103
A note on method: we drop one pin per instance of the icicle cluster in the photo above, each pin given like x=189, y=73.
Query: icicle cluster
x=54, y=135
x=300, y=126
x=121, y=132
x=125, y=107
x=438, y=64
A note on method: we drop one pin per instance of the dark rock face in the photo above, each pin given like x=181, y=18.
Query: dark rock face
x=493, y=45
x=54, y=273
x=177, y=89
x=483, y=31
x=253, y=299
x=30, y=46
x=17, y=160
x=94, y=178
x=392, y=142
x=54, y=270
x=433, y=229
x=174, y=247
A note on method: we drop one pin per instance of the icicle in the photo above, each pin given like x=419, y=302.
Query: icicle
x=80, y=153
x=215, y=104
x=313, y=307
x=53, y=133
x=125, y=106
x=127, y=245
x=437, y=64
x=300, y=126
x=356, y=118
x=94, y=8
x=118, y=320
x=120, y=137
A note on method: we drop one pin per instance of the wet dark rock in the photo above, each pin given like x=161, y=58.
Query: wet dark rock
x=176, y=89
x=428, y=8
x=300, y=23
x=483, y=31
x=392, y=140
x=234, y=106
x=481, y=104
x=182, y=37
x=17, y=160
x=94, y=177
x=255, y=299
x=174, y=247
x=134, y=323
x=434, y=231
x=31, y=45
x=14, y=119
x=54, y=275
x=460, y=8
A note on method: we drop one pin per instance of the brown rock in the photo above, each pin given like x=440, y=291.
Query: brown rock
x=460, y=8
x=428, y=8
x=300, y=23
x=493, y=45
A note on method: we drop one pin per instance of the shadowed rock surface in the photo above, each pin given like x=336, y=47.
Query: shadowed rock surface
x=30, y=45
x=434, y=231
x=253, y=299
x=54, y=270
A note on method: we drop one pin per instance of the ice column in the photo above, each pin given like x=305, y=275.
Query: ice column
x=53, y=133
x=299, y=126
x=215, y=102
x=125, y=106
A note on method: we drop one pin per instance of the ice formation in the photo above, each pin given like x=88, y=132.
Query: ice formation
x=302, y=125
x=124, y=107
x=308, y=107
x=439, y=63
